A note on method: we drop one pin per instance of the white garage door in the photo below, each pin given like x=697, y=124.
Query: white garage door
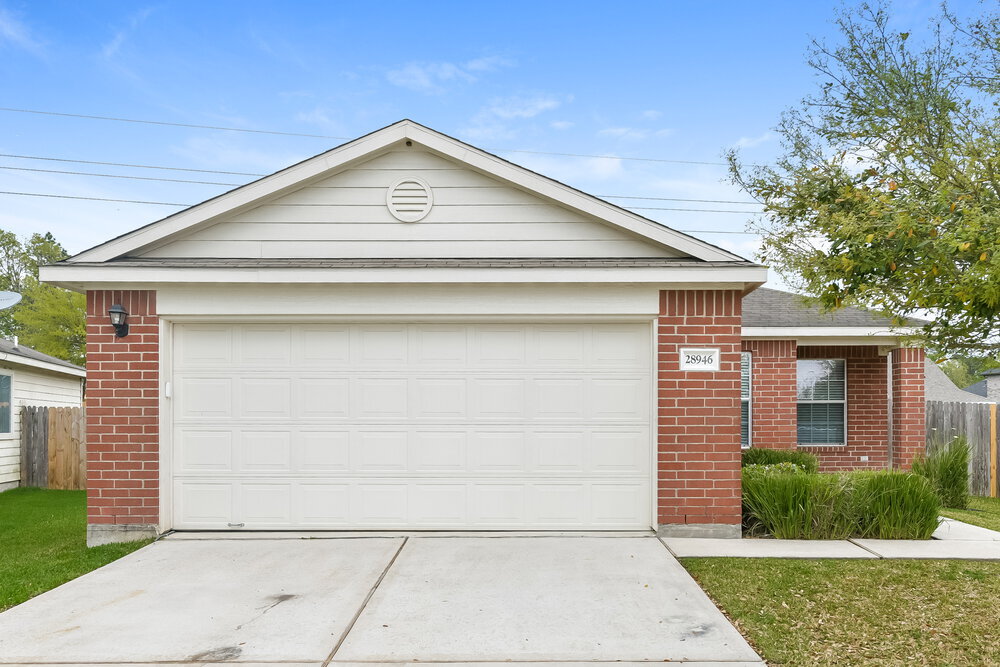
x=419, y=426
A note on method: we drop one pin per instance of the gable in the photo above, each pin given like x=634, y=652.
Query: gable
x=346, y=215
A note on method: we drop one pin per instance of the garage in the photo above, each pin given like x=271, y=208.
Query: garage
x=412, y=426
x=404, y=333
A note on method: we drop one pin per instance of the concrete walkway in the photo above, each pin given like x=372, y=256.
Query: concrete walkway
x=952, y=540
x=379, y=600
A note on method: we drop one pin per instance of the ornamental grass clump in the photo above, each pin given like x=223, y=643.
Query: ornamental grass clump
x=894, y=505
x=786, y=502
x=946, y=467
x=763, y=456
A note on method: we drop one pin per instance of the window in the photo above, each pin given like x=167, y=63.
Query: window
x=5, y=410
x=745, y=382
x=822, y=401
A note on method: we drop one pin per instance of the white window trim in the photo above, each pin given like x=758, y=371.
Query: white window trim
x=9, y=435
x=749, y=399
x=812, y=402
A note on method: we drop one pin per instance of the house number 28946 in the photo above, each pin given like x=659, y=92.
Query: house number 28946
x=699, y=358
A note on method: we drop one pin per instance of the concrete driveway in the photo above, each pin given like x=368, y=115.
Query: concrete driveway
x=382, y=600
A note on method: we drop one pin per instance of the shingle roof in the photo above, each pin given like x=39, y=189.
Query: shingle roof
x=773, y=308
x=10, y=348
x=939, y=387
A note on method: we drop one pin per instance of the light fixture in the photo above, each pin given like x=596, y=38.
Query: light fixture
x=119, y=320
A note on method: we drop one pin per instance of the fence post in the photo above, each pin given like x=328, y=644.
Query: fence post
x=994, y=445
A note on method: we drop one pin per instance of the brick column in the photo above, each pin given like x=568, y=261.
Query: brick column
x=908, y=420
x=122, y=419
x=699, y=415
x=773, y=397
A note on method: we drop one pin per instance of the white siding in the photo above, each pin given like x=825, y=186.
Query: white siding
x=32, y=387
x=345, y=215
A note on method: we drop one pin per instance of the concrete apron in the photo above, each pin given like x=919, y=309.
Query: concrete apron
x=385, y=600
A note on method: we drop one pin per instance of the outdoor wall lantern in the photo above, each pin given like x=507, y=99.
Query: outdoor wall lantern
x=119, y=320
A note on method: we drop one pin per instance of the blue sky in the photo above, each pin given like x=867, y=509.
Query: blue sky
x=662, y=80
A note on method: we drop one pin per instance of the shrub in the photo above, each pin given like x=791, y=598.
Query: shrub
x=788, y=503
x=946, y=466
x=762, y=456
x=796, y=505
x=893, y=505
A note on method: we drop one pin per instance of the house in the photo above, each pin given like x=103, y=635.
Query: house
x=939, y=387
x=989, y=387
x=407, y=332
x=28, y=377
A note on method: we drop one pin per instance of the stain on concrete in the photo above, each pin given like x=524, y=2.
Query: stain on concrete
x=223, y=653
x=271, y=601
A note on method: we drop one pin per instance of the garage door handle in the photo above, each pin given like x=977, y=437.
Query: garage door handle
x=235, y=525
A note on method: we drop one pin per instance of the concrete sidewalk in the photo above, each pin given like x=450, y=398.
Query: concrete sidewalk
x=953, y=540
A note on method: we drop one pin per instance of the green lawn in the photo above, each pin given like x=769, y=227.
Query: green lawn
x=844, y=612
x=43, y=542
x=983, y=512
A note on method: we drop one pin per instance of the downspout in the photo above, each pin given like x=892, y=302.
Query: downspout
x=890, y=445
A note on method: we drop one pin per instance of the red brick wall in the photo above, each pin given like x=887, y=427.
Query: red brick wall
x=908, y=420
x=867, y=408
x=122, y=410
x=699, y=412
x=772, y=395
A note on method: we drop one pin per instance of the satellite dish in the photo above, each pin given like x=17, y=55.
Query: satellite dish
x=9, y=300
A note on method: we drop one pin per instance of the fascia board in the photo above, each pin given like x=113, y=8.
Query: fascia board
x=113, y=277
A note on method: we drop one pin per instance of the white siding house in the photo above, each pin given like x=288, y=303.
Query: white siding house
x=28, y=377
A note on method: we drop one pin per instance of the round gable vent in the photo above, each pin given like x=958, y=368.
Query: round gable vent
x=409, y=199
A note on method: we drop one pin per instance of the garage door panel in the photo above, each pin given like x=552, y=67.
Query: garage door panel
x=266, y=451
x=446, y=425
x=264, y=346
x=203, y=451
x=323, y=452
x=205, y=398
x=323, y=398
x=265, y=398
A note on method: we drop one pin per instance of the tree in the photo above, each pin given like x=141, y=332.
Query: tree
x=49, y=319
x=965, y=371
x=887, y=195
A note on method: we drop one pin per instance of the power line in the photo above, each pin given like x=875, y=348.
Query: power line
x=127, y=164
x=133, y=178
x=122, y=201
x=244, y=173
x=163, y=203
x=161, y=122
x=327, y=136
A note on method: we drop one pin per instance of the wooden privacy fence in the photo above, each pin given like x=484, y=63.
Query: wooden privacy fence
x=977, y=422
x=53, y=449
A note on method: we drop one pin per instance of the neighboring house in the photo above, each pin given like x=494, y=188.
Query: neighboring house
x=989, y=386
x=939, y=387
x=407, y=332
x=28, y=377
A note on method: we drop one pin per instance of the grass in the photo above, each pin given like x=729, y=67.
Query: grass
x=856, y=612
x=983, y=512
x=43, y=542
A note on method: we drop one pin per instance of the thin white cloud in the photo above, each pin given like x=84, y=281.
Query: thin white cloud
x=651, y=114
x=561, y=124
x=494, y=122
x=522, y=107
x=634, y=133
x=750, y=142
x=434, y=77
x=16, y=33
x=111, y=48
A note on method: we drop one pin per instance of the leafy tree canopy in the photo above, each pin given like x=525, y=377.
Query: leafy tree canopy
x=887, y=194
x=48, y=319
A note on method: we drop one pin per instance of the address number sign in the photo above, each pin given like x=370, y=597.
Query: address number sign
x=699, y=358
